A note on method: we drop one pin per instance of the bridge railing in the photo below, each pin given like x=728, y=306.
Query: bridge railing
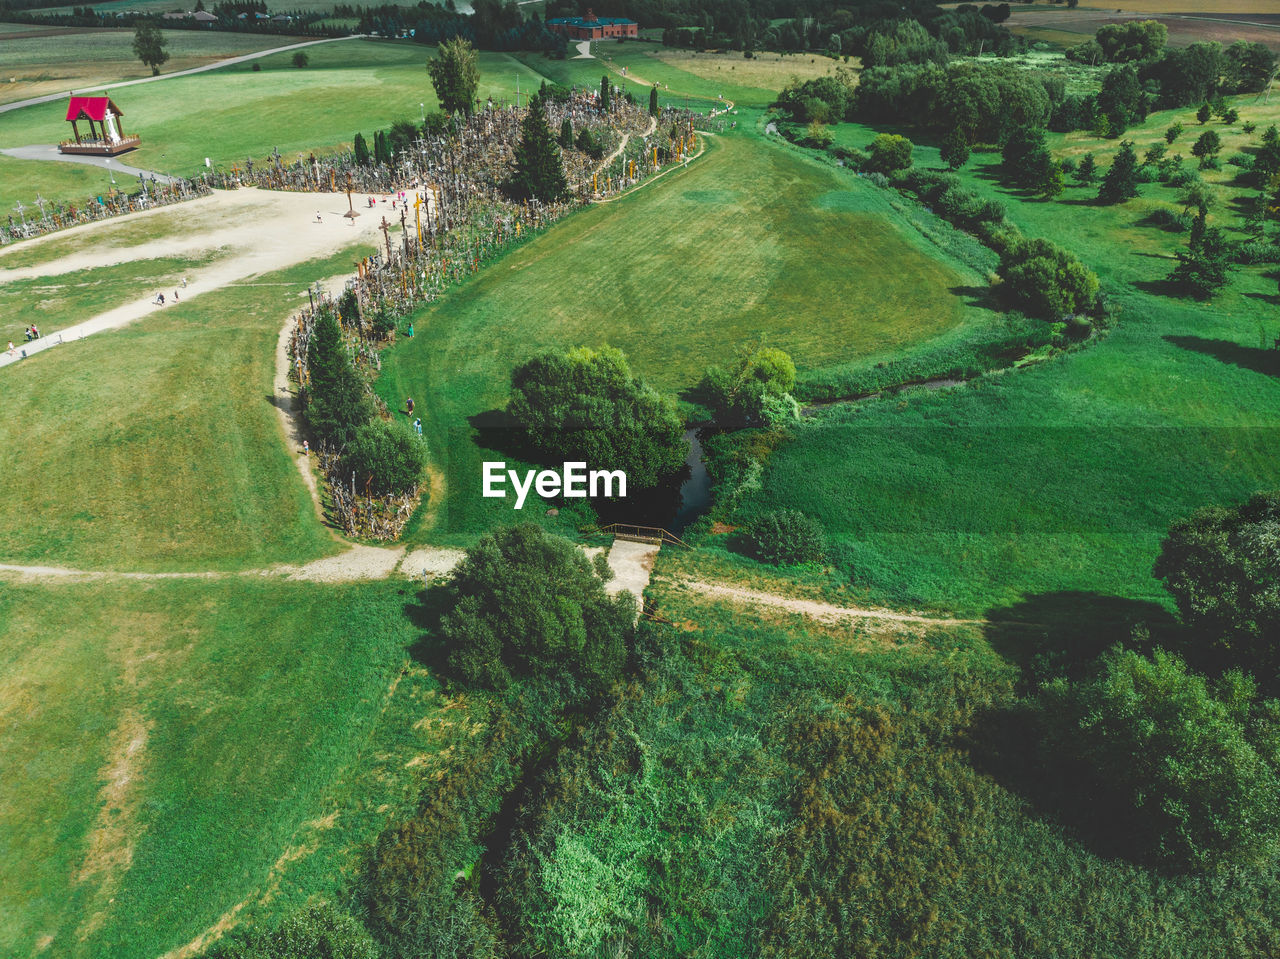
x=640, y=534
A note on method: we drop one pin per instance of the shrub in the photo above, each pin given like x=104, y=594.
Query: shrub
x=755, y=392
x=1174, y=221
x=585, y=405
x=1187, y=766
x=1222, y=567
x=300, y=59
x=318, y=931
x=786, y=538
x=1046, y=281
x=386, y=457
x=523, y=603
x=889, y=153
x=336, y=401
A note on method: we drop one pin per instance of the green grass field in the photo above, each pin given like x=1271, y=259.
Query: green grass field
x=349, y=87
x=186, y=754
x=55, y=302
x=1065, y=476
x=164, y=442
x=752, y=240
x=71, y=58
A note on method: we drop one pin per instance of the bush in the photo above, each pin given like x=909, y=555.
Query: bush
x=889, y=153
x=755, y=392
x=584, y=405
x=1187, y=767
x=1046, y=281
x=1174, y=221
x=786, y=538
x=300, y=59
x=1221, y=566
x=386, y=457
x=523, y=603
x=337, y=404
x=316, y=932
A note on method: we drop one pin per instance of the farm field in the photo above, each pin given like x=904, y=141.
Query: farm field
x=754, y=240
x=943, y=499
x=180, y=751
x=73, y=57
x=280, y=106
x=1188, y=23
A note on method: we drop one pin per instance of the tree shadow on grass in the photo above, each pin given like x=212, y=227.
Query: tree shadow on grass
x=1163, y=287
x=1062, y=633
x=980, y=296
x=1246, y=357
x=1052, y=635
x=424, y=613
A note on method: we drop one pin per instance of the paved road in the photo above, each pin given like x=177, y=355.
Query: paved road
x=48, y=151
x=217, y=65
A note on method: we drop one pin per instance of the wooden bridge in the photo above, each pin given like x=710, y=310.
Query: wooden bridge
x=653, y=535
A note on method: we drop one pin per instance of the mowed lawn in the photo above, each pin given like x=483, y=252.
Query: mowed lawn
x=752, y=240
x=53, y=60
x=1066, y=476
x=350, y=86
x=62, y=300
x=157, y=446
x=184, y=753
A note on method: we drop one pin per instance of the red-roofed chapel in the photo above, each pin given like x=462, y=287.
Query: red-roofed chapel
x=107, y=138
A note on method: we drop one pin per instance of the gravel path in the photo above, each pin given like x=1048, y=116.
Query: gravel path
x=49, y=152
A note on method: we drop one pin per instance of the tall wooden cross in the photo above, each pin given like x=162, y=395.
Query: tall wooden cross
x=21, y=211
x=386, y=235
x=404, y=234
x=351, y=213
x=40, y=202
x=417, y=215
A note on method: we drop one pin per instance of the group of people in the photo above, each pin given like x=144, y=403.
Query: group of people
x=160, y=301
x=33, y=332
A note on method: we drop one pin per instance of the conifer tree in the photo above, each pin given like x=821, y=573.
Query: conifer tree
x=539, y=173
x=566, y=134
x=1087, y=170
x=1121, y=181
x=653, y=101
x=361, y=150
x=604, y=92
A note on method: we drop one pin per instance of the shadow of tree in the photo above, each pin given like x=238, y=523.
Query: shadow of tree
x=1246, y=357
x=424, y=613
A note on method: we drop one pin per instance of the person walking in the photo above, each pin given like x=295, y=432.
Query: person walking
x=12, y=354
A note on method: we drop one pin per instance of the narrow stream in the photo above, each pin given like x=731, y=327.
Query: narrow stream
x=695, y=492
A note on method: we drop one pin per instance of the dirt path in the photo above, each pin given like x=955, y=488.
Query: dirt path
x=653, y=125
x=268, y=230
x=814, y=609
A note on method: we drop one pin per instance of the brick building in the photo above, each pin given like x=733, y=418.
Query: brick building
x=592, y=27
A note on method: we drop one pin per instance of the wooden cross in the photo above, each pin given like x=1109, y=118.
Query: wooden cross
x=385, y=227
x=20, y=210
x=417, y=216
x=351, y=213
x=404, y=233
x=40, y=201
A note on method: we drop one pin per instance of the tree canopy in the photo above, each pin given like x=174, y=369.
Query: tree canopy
x=148, y=46
x=455, y=75
x=539, y=172
x=523, y=603
x=585, y=405
x=1187, y=765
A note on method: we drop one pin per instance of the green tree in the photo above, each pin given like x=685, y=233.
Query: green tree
x=455, y=75
x=653, y=101
x=300, y=59
x=604, y=92
x=754, y=392
x=148, y=46
x=1046, y=281
x=955, y=149
x=1121, y=180
x=889, y=153
x=526, y=604
x=1172, y=134
x=585, y=405
x=386, y=457
x=539, y=172
x=566, y=134
x=1204, y=113
x=1204, y=269
x=1187, y=767
x=336, y=404
x=360, y=149
x=1222, y=568
x=1207, y=147
x=1087, y=170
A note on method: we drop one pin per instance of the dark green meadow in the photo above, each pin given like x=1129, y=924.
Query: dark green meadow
x=1062, y=476
x=752, y=240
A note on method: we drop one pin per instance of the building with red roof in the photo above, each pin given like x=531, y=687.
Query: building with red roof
x=106, y=133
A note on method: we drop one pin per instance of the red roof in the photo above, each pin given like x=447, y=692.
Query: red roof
x=92, y=108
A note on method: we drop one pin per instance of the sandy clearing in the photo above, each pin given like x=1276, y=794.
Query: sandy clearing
x=269, y=231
